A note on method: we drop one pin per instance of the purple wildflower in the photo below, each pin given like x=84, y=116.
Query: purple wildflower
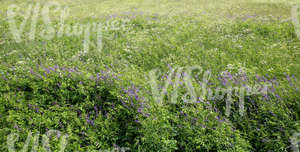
x=235, y=81
x=52, y=69
x=71, y=70
x=64, y=69
x=37, y=109
x=140, y=110
x=115, y=77
x=31, y=71
x=273, y=114
x=136, y=97
x=230, y=76
x=123, y=102
x=244, y=76
x=146, y=115
x=274, y=80
x=169, y=66
x=293, y=76
x=97, y=76
x=58, y=134
x=82, y=133
x=40, y=76
x=91, y=122
x=272, y=89
x=47, y=70
x=96, y=110
x=203, y=126
x=185, y=74
x=215, y=109
x=4, y=78
x=17, y=127
x=288, y=77
x=252, y=101
x=258, y=78
x=199, y=100
x=266, y=97
x=224, y=82
x=264, y=79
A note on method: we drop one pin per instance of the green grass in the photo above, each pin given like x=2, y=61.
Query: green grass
x=254, y=35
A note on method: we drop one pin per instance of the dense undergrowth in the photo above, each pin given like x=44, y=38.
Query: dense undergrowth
x=103, y=99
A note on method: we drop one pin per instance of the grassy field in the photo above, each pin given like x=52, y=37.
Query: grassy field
x=102, y=97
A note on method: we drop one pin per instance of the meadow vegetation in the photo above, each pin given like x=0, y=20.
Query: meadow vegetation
x=102, y=98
